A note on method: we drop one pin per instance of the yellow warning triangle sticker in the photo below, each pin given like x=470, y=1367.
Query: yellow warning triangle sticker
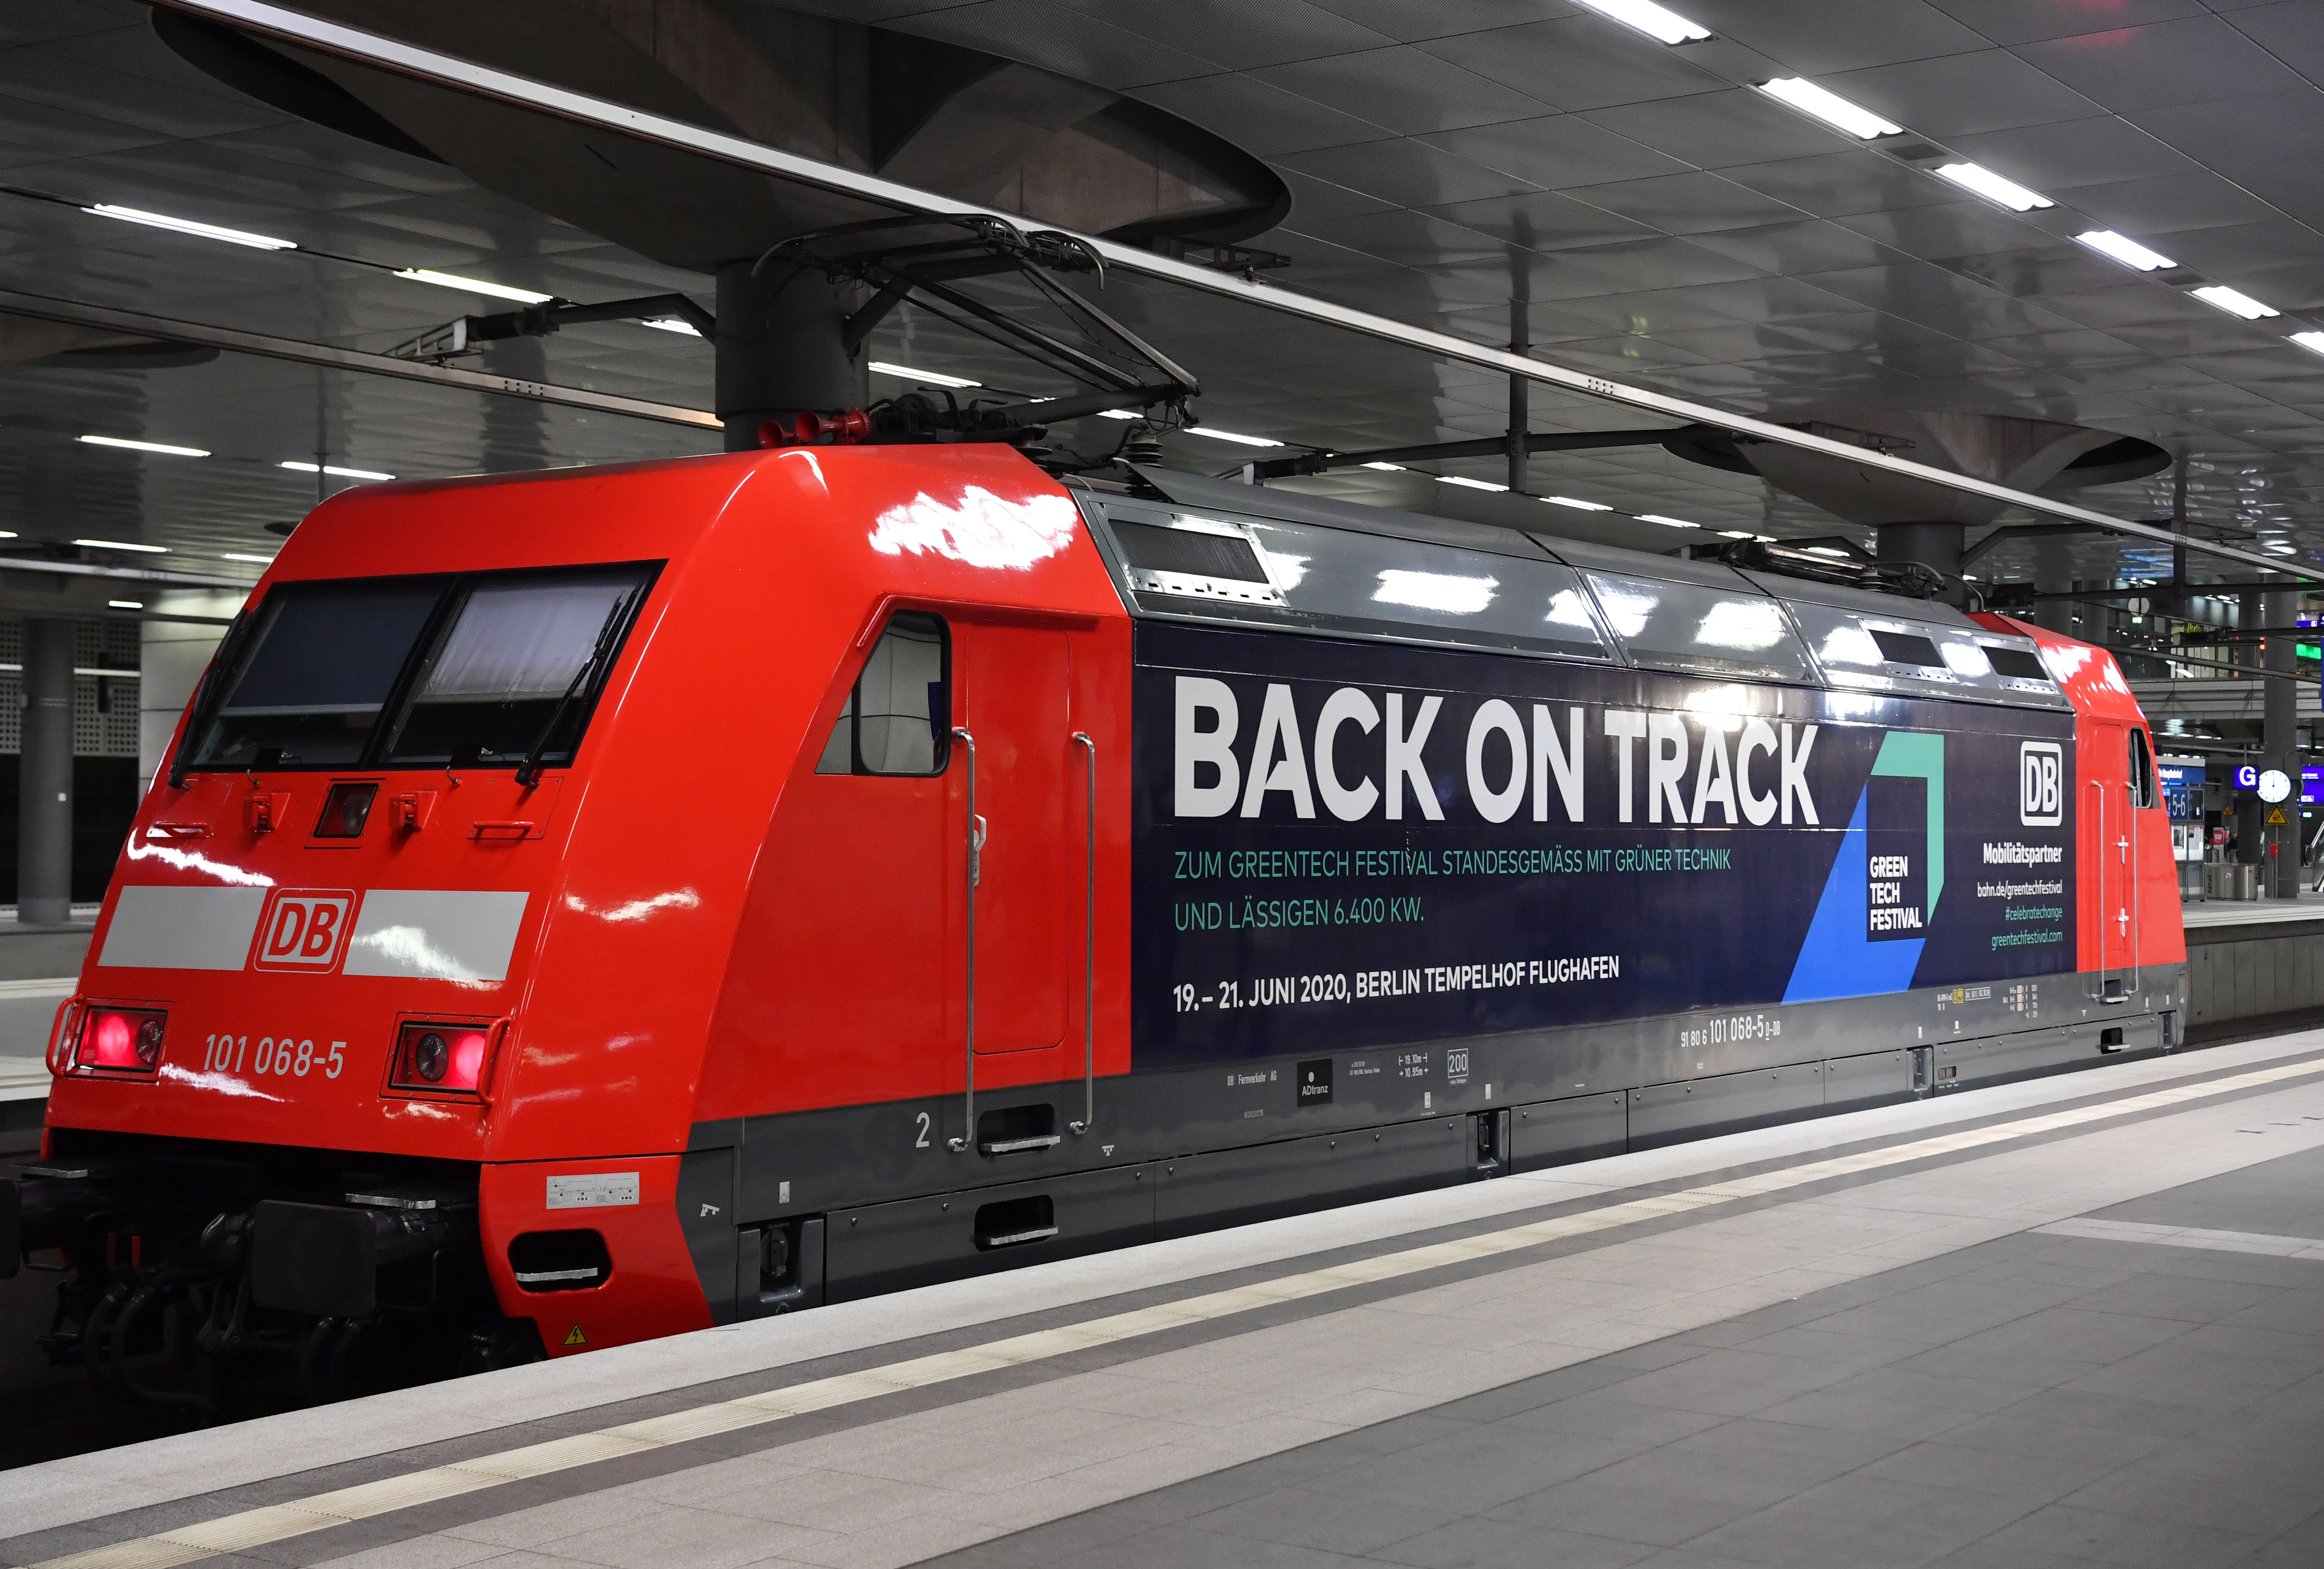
x=2276, y=818
x=575, y=1337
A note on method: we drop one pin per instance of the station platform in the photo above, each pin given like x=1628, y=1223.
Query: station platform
x=2072, y=1320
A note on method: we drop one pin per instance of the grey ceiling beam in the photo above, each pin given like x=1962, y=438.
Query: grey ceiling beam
x=408, y=59
x=48, y=308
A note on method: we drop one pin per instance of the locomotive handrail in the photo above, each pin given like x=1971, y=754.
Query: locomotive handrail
x=2133, y=947
x=1089, y=954
x=58, y=1054
x=968, y=1022
x=2098, y=893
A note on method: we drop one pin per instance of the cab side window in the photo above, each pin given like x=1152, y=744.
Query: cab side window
x=2142, y=772
x=898, y=719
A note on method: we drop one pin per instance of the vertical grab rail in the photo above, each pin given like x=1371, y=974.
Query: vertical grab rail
x=968, y=1032
x=2098, y=894
x=1089, y=953
x=2133, y=948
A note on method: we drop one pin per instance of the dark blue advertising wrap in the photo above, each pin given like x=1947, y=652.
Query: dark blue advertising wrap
x=1347, y=845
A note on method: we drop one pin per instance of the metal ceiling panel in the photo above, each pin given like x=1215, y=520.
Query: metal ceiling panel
x=1689, y=203
x=1557, y=151
x=1986, y=89
x=1815, y=39
x=2190, y=60
x=1575, y=63
x=1403, y=172
x=1043, y=33
x=1234, y=35
x=1541, y=220
x=2008, y=21
x=1408, y=90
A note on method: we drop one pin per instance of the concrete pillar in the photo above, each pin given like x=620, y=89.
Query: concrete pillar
x=1936, y=545
x=2053, y=573
x=780, y=349
x=172, y=655
x=2279, y=743
x=44, y=776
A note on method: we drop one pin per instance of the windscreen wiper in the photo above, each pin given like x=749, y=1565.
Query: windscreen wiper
x=614, y=617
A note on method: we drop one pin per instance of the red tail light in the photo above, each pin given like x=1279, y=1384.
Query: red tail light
x=121, y=1039
x=440, y=1058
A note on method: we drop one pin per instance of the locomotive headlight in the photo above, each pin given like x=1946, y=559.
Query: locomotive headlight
x=440, y=1057
x=121, y=1039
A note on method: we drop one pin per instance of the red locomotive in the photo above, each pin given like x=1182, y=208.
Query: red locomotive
x=584, y=907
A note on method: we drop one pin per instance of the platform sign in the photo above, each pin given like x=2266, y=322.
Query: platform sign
x=2182, y=788
x=1358, y=845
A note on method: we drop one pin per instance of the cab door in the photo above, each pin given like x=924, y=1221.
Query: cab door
x=1015, y=684
x=2121, y=802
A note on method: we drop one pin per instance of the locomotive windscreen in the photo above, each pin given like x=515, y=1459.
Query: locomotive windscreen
x=496, y=685
x=418, y=671
x=322, y=662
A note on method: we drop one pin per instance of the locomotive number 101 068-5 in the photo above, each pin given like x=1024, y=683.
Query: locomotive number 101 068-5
x=281, y=1055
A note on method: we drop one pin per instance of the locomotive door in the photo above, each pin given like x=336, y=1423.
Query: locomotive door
x=2117, y=787
x=1014, y=701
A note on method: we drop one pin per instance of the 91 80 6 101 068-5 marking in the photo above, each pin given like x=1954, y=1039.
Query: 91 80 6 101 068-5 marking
x=281, y=1055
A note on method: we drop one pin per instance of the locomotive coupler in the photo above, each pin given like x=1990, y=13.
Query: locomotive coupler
x=47, y=1206
x=349, y=1261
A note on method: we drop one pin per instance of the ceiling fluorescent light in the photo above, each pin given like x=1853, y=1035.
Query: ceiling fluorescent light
x=296, y=466
x=1993, y=188
x=2233, y=302
x=130, y=215
x=1736, y=534
x=238, y=555
x=1576, y=503
x=473, y=286
x=2128, y=251
x=1666, y=522
x=1119, y=414
x=1465, y=482
x=932, y=378
x=1834, y=551
x=673, y=324
x=2312, y=341
x=1830, y=107
x=1650, y=19
x=163, y=448
x=1387, y=467
x=1235, y=437
x=124, y=545
x=124, y=604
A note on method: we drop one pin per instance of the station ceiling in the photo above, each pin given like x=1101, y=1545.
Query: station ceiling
x=1669, y=225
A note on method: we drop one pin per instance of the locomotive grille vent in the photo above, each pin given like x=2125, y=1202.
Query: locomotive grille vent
x=1905, y=648
x=1193, y=563
x=2016, y=664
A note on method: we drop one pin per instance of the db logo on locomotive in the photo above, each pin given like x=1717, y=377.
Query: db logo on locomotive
x=304, y=928
x=2041, y=790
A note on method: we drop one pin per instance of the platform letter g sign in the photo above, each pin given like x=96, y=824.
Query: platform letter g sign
x=2041, y=787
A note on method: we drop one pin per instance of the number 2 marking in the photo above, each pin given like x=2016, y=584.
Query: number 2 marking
x=922, y=1141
